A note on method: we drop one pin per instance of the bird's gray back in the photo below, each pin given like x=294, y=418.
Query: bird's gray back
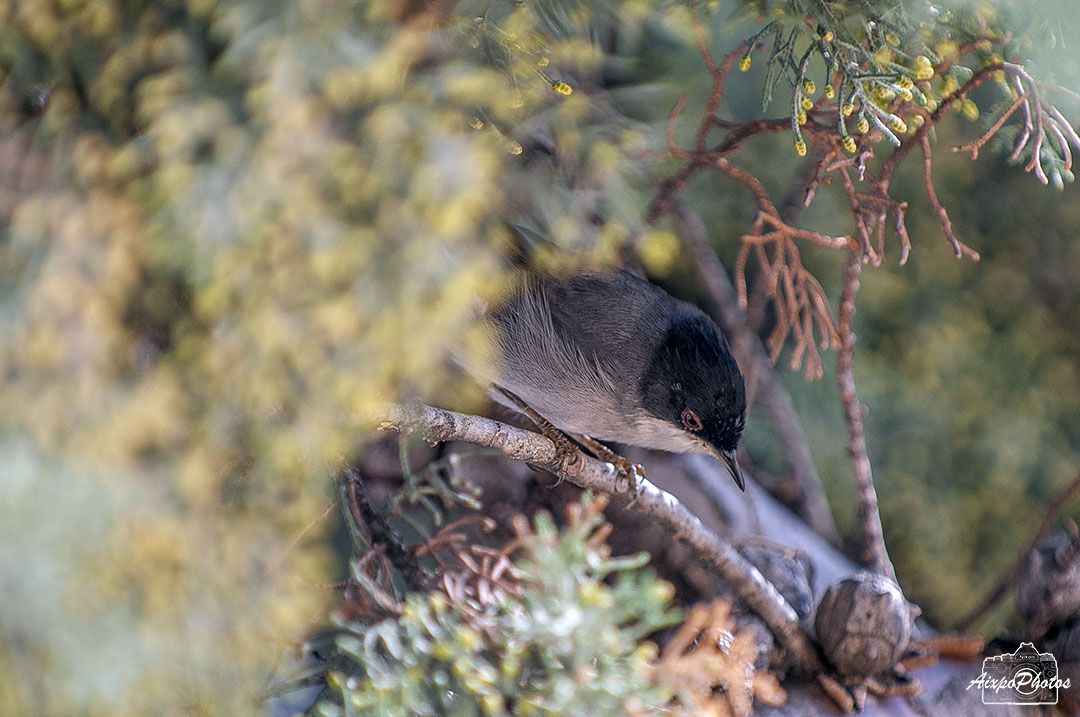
x=559, y=353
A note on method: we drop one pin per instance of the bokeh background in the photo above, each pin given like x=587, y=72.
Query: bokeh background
x=230, y=230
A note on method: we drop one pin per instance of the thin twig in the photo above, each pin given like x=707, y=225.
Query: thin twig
x=298, y=536
x=959, y=248
x=1007, y=581
x=703, y=47
x=862, y=231
x=363, y=510
x=1025, y=130
x=669, y=128
x=873, y=540
x=769, y=209
x=975, y=145
x=714, y=99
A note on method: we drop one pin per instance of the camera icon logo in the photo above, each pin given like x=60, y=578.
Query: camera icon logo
x=1025, y=677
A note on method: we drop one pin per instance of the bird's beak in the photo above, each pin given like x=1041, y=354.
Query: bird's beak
x=728, y=457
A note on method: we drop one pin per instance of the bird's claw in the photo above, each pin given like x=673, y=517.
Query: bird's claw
x=630, y=474
x=626, y=471
x=567, y=453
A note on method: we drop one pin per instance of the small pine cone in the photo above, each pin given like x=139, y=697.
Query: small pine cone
x=789, y=569
x=1064, y=644
x=863, y=624
x=1049, y=585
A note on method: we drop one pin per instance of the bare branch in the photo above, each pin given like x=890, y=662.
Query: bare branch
x=1067, y=128
x=873, y=540
x=769, y=209
x=703, y=48
x=707, y=120
x=437, y=425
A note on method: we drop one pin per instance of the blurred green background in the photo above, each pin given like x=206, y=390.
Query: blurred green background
x=230, y=230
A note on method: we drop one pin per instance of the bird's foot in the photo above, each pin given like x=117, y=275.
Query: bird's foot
x=626, y=471
x=566, y=453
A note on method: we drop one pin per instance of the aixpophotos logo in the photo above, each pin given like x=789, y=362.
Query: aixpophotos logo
x=1026, y=677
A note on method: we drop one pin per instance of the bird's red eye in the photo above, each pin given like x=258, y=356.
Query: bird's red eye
x=691, y=421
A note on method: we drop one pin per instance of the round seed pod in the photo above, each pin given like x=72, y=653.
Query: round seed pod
x=789, y=569
x=1049, y=584
x=864, y=624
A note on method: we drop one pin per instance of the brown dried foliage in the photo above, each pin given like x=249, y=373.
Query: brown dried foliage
x=473, y=575
x=710, y=666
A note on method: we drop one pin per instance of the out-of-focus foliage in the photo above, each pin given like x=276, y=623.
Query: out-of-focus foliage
x=571, y=642
x=230, y=230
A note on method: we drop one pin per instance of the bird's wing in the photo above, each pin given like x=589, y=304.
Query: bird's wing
x=609, y=316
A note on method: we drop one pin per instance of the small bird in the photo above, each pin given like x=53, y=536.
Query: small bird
x=615, y=358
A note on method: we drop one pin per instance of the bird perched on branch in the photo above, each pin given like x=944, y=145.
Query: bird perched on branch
x=612, y=357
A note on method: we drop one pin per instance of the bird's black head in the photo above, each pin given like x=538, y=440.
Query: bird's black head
x=694, y=383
